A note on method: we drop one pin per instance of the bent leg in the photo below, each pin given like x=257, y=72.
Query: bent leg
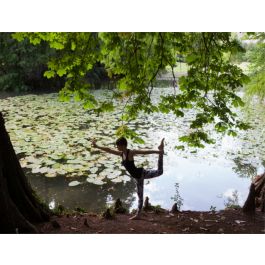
x=148, y=174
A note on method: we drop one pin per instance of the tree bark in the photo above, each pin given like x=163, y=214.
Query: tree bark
x=19, y=207
x=256, y=196
x=249, y=206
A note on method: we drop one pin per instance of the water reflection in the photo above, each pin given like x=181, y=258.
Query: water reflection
x=244, y=169
x=94, y=198
x=206, y=177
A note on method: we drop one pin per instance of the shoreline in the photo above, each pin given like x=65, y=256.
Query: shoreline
x=229, y=221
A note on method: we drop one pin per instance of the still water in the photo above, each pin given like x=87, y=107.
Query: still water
x=206, y=177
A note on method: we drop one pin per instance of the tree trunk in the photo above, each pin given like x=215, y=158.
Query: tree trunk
x=256, y=196
x=19, y=207
x=249, y=206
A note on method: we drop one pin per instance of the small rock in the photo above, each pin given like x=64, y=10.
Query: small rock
x=239, y=221
x=55, y=224
x=174, y=208
x=86, y=223
x=118, y=207
x=107, y=214
x=220, y=230
x=185, y=229
x=147, y=205
x=204, y=229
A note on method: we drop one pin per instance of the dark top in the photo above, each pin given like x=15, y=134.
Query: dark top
x=131, y=168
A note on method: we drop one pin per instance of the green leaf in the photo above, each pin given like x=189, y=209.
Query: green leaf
x=57, y=45
x=89, y=105
x=49, y=74
x=61, y=72
x=73, y=46
x=180, y=147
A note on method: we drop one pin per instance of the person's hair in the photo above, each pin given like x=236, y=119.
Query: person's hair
x=121, y=141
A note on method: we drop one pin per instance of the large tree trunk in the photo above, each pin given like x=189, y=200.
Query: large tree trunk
x=256, y=196
x=19, y=208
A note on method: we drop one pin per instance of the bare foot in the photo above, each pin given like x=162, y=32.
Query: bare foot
x=161, y=146
x=135, y=217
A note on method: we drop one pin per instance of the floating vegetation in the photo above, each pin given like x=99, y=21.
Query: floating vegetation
x=74, y=183
x=53, y=138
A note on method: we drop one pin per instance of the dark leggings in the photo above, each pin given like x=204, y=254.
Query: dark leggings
x=147, y=174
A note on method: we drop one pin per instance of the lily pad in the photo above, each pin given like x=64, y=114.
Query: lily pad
x=93, y=170
x=74, y=183
x=50, y=175
x=98, y=182
x=117, y=180
x=92, y=175
x=126, y=178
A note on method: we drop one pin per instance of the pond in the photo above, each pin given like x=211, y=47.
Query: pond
x=52, y=140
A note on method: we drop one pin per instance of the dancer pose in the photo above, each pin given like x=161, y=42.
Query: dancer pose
x=139, y=174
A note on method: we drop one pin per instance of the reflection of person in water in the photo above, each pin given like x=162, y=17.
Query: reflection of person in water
x=139, y=174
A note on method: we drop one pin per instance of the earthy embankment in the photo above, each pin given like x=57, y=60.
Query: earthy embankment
x=186, y=222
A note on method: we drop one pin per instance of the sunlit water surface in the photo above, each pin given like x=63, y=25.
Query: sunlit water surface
x=207, y=178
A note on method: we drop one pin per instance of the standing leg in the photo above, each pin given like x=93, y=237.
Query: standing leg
x=140, y=193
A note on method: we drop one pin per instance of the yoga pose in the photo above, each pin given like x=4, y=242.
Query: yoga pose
x=139, y=174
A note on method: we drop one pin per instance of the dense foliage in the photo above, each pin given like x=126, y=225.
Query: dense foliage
x=22, y=65
x=256, y=57
x=135, y=59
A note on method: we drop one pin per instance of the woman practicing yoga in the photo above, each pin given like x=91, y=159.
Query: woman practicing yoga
x=139, y=174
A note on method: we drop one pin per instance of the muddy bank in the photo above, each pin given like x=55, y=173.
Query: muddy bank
x=231, y=221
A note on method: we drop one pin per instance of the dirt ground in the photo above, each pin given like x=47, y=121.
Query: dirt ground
x=231, y=221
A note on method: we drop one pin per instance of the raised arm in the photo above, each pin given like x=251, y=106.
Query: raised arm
x=146, y=152
x=105, y=149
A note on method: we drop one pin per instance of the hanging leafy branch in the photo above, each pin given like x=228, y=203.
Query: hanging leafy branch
x=209, y=87
x=257, y=66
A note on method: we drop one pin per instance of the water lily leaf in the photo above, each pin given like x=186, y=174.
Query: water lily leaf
x=98, y=182
x=33, y=160
x=126, y=178
x=93, y=170
x=35, y=170
x=74, y=161
x=49, y=162
x=56, y=166
x=74, y=183
x=117, y=180
x=44, y=170
x=23, y=164
x=112, y=175
x=50, y=175
x=92, y=175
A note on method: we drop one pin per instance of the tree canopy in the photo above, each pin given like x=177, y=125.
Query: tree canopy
x=256, y=57
x=22, y=65
x=135, y=60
